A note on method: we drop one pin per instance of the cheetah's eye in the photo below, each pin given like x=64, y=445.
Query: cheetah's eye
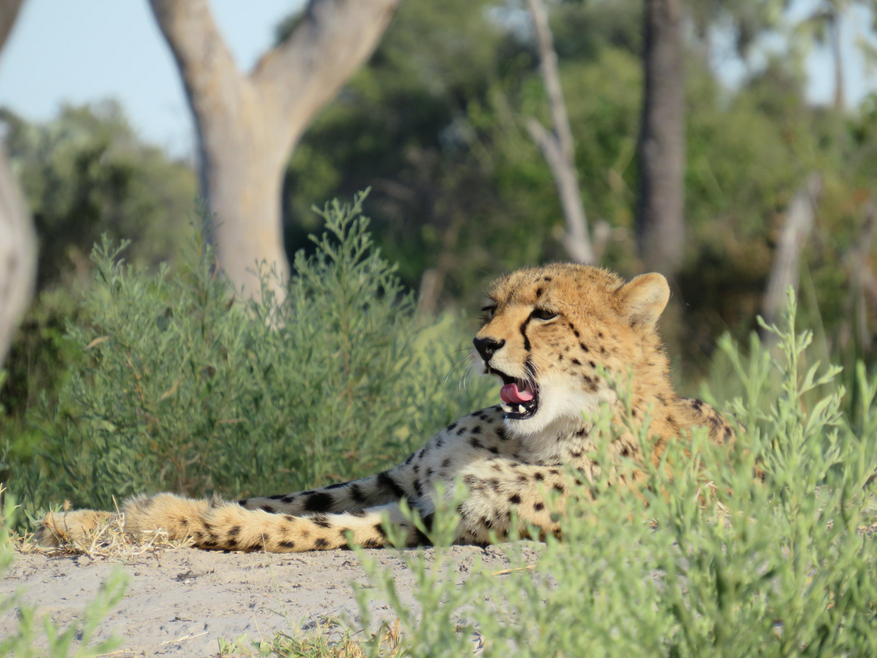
x=487, y=313
x=543, y=314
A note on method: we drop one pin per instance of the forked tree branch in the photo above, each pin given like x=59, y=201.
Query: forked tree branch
x=557, y=146
x=248, y=124
x=294, y=79
x=309, y=67
x=207, y=66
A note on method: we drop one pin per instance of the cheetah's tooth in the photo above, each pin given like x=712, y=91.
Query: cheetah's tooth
x=506, y=408
x=521, y=409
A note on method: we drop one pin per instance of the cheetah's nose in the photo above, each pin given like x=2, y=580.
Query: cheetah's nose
x=487, y=346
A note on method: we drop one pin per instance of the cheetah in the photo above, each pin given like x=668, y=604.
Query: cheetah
x=552, y=335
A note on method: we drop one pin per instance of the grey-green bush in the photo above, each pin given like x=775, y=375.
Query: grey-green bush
x=185, y=389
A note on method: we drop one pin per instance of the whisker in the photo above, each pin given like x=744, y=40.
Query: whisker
x=532, y=370
x=454, y=366
x=464, y=380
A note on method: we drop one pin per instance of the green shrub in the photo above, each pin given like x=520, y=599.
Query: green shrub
x=717, y=564
x=37, y=366
x=184, y=389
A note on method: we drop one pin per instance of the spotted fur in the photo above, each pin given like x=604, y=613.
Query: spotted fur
x=558, y=327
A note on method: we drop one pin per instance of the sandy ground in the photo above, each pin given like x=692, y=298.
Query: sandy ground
x=181, y=602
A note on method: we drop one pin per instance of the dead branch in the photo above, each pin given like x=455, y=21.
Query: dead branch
x=557, y=146
x=800, y=218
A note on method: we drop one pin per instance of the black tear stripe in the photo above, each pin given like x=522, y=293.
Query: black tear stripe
x=386, y=481
x=524, y=332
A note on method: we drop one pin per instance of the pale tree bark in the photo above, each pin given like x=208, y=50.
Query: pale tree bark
x=18, y=243
x=433, y=280
x=558, y=148
x=798, y=224
x=660, y=223
x=837, y=57
x=863, y=286
x=248, y=124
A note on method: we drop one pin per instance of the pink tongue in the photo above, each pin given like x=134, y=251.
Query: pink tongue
x=510, y=394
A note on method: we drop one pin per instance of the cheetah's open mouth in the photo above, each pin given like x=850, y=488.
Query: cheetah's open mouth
x=520, y=397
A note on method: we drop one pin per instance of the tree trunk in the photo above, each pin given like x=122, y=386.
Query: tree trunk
x=557, y=146
x=837, y=57
x=433, y=280
x=800, y=217
x=242, y=178
x=863, y=289
x=18, y=243
x=248, y=125
x=661, y=148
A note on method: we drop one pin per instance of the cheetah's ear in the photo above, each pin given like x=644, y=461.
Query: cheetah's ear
x=644, y=298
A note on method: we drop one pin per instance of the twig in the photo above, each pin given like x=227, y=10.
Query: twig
x=557, y=146
x=800, y=217
x=505, y=572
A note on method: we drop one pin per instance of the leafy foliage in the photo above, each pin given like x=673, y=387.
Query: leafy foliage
x=435, y=124
x=84, y=173
x=181, y=388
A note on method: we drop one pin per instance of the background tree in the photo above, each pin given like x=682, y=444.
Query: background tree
x=17, y=240
x=660, y=224
x=558, y=145
x=86, y=173
x=823, y=26
x=248, y=124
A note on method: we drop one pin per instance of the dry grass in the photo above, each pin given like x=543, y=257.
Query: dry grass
x=108, y=541
x=328, y=641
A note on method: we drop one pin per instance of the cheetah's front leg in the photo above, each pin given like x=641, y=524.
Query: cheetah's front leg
x=353, y=496
x=500, y=489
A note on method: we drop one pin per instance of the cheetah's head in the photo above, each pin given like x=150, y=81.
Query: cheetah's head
x=546, y=330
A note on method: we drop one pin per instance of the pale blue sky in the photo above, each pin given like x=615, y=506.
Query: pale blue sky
x=85, y=50
x=88, y=50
